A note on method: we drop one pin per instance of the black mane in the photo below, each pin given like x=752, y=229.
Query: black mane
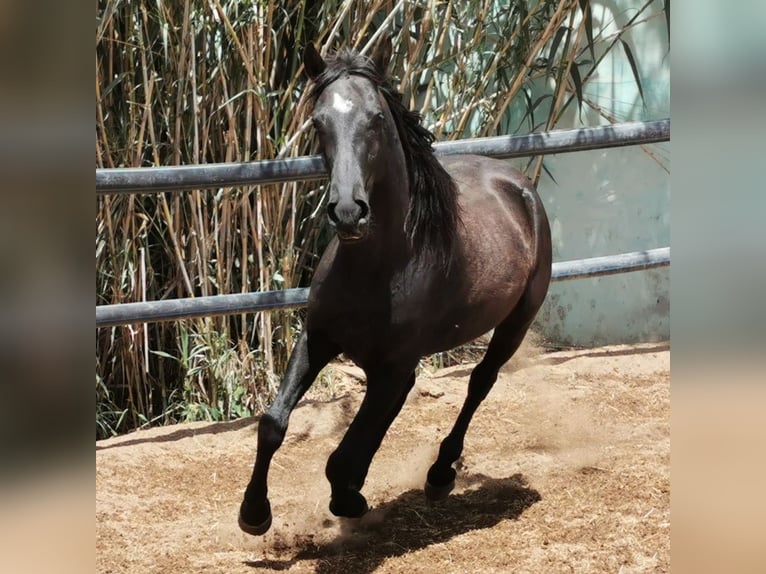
x=433, y=215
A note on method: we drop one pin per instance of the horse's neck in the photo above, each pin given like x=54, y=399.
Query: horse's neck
x=389, y=203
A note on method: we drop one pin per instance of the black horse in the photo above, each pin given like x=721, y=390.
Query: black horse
x=429, y=254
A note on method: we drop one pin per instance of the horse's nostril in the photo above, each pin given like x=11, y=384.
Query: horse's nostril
x=331, y=212
x=364, y=207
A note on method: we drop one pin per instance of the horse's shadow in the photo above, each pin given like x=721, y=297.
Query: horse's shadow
x=409, y=523
x=183, y=431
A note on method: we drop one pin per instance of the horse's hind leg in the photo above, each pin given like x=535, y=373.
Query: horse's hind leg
x=505, y=341
x=309, y=356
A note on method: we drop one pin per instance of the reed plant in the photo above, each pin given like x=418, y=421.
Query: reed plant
x=192, y=82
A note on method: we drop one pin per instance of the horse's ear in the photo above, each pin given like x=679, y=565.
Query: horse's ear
x=313, y=62
x=381, y=56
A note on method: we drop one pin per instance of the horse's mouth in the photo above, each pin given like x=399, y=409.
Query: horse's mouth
x=351, y=233
x=350, y=236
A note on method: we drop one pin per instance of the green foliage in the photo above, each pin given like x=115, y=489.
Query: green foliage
x=221, y=81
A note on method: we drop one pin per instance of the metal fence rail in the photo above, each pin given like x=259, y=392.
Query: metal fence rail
x=176, y=178
x=126, y=313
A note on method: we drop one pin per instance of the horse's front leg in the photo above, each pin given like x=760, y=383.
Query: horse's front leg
x=348, y=465
x=310, y=355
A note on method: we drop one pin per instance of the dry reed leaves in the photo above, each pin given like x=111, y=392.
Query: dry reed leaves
x=187, y=83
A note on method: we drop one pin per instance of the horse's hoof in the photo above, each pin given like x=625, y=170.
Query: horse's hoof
x=350, y=505
x=437, y=493
x=254, y=529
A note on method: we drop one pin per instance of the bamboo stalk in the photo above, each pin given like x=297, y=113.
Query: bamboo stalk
x=187, y=82
x=531, y=55
x=563, y=79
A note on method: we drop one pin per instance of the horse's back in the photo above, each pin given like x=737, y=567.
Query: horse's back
x=464, y=167
x=497, y=225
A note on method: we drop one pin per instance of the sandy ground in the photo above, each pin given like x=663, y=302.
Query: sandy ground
x=566, y=468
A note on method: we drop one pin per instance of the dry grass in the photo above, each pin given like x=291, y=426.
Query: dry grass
x=566, y=468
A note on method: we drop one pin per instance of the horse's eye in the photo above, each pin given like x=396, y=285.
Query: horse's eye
x=318, y=125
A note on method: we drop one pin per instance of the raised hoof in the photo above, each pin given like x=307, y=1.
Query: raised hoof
x=437, y=493
x=351, y=505
x=254, y=529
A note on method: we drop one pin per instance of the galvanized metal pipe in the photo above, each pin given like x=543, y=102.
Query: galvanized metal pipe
x=206, y=176
x=173, y=309
x=611, y=264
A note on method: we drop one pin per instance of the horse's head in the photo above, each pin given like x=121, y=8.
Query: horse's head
x=353, y=124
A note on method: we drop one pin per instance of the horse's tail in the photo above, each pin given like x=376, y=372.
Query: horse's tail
x=541, y=233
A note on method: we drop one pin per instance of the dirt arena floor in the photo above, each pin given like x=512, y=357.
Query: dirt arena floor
x=566, y=468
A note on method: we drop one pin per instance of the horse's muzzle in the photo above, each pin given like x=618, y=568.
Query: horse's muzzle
x=350, y=219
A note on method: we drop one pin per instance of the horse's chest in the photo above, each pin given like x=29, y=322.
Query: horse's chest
x=368, y=327
x=355, y=327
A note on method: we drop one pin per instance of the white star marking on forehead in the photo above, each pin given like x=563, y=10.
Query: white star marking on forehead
x=341, y=104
